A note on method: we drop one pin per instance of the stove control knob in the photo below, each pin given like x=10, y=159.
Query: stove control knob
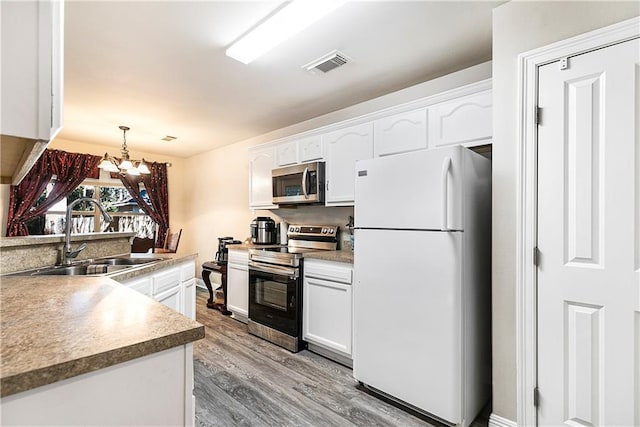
x=324, y=231
x=297, y=229
x=291, y=229
x=331, y=230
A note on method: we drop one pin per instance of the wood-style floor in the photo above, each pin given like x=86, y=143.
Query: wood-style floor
x=242, y=380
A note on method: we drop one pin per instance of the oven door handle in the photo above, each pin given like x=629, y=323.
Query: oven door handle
x=291, y=273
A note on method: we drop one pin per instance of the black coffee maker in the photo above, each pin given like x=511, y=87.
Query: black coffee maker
x=223, y=252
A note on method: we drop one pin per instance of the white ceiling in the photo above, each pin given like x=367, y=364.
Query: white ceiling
x=159, y=67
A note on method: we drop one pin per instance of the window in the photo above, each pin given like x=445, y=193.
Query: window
x=127, y=215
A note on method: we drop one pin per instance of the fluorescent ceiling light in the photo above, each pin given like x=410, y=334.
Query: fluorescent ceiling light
x=287, y=22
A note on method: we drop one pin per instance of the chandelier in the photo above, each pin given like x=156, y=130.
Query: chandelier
x=124, y=165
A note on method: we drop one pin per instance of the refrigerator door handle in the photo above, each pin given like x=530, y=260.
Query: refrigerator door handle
x=444, y=180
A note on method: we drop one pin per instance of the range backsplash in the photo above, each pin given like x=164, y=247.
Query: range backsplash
x=316, y=215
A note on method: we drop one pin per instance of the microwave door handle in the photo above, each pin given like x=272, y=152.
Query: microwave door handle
x=444, y=194
x=304, y=182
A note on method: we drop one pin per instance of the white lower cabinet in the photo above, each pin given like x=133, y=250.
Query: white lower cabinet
x=238, y=284
x=170, y=298
x=189, y=300
x=173, y=286
x=327, y=308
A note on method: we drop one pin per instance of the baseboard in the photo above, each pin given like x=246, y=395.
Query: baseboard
x=498, y=421
x=200, y=284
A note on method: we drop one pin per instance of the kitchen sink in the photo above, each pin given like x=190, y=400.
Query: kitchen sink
x=125, y=261
x=92, y=267
x=76, y=270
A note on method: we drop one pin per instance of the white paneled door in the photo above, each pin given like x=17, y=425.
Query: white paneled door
x=589, y=239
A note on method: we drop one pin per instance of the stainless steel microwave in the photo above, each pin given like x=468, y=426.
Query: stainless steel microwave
x=298, y=184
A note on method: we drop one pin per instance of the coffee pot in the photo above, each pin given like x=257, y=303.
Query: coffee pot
x=223, y=252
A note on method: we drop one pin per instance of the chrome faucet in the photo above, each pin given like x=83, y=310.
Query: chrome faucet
x=67, y=253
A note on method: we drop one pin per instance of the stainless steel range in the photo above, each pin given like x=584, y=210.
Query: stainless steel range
x=275, y=284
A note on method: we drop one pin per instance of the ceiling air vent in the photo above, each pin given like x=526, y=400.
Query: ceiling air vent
x=327, y=62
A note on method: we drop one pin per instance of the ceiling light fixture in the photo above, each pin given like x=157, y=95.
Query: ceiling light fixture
x=288, y=21
x=124, y=165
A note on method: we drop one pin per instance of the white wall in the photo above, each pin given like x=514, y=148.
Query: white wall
x=520, y=26
x=217, y=182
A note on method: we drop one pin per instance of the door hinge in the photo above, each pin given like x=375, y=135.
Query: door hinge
x=536, y=256
x=327, y=185
x=564, y=63
x=538, y=115
x=536, y=397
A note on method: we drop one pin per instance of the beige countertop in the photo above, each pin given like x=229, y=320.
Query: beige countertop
x=246, y=246
x=344, y=255
x=57, y=327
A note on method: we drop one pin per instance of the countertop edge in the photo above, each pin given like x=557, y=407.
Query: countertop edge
x=342, y=256
x=43, y=376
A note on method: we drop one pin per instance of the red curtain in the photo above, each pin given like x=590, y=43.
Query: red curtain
x=70, y=170
x=156, y=184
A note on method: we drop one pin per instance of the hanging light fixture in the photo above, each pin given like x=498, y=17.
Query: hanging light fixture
x=124, y=165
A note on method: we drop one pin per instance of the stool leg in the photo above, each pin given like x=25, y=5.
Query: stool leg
x=207, y=281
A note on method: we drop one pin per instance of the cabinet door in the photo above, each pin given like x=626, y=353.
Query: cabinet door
x=400, y=133
x=261, y=162
x=187, y=270
x=141, y=284
x=170, y=298
x=327, y=314
x=189, y=298
x=310, y=148
x=238, y=291
x=465, y=120
x=344, y=147
x=287, y=153
x=166, y=279
x=32, y=61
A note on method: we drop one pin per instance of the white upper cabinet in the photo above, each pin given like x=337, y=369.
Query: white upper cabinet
x=344, y=147
x=310, y=148
x=400, y=133
x=261, y=162
x=465, y=120
x=32, y=69
x=287, y=153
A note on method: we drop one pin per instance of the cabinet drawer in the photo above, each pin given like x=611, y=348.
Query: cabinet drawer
x=187, y=271
x=238, y=257
x=166, y=280
x=327, y=270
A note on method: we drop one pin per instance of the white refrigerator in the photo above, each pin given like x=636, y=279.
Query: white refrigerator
x=422, y=294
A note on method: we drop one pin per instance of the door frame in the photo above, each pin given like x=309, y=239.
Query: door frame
x=526, y=186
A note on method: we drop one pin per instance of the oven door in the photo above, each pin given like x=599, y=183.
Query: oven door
x=275, y=297
x=299, y=184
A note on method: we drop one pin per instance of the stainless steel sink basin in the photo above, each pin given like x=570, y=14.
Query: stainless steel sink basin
x=125, y=261
x=89, y=268
x=79, y=270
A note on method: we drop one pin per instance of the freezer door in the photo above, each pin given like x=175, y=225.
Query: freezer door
x=407, y=317
x=417, y=190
